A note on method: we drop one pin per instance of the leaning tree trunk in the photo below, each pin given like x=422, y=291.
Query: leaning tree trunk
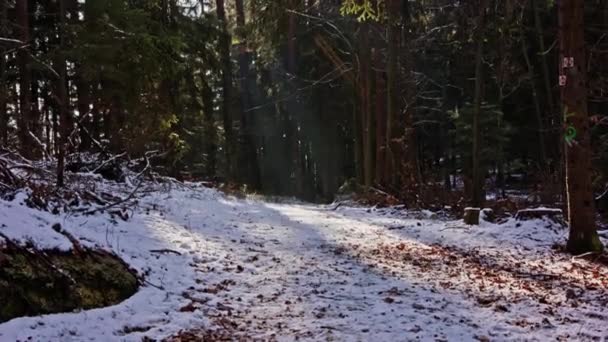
x=224, y=50
x=573, y=80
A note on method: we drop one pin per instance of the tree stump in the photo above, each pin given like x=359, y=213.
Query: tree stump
x=471, y=216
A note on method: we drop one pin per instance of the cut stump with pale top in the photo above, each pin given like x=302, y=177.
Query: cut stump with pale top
x=471, y=216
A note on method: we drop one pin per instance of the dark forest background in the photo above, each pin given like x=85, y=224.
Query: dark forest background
x=430, y=101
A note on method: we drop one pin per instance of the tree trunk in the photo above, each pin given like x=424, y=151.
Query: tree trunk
x=84, y=101
x=96, y=118
x=46, y=112
x=210, y=133
x=358, y=144
x=55, y=126
x=477, y=186
x=25, y=81
x=537, y=109
x=35, y=116
x=62, y=96
x=411, y=172
x=3, y=89
x=543, y=56
x=224, y=50
x=83, y=89
x=365, y=78
x=555, y=119
x=291, y=104
x=249, y=166
x=381, y=101
x=392, y=92
x=447, y=144
x=573, y=70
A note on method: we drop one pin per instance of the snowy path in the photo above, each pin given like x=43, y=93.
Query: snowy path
x=257, y=271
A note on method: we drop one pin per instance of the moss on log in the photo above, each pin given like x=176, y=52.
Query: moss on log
x=35, y=282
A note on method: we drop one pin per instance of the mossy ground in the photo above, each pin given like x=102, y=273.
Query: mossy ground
x=42, y=282
x=585, y=241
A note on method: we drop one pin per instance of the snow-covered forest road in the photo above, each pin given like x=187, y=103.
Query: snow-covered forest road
x=217, y=267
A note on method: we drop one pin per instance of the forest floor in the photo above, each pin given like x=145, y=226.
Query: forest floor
x=220, y=268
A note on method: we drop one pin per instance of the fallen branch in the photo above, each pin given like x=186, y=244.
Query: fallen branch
x=7, y=175
x=535, y=275
x=336, y=207
x=455, y=227
x=119, y=202
x=11, y=40
x=15, y=155
x=6, y=186
x=93, y=140
x=162, y=288
x=75, y=243
x=14, y=165
x=581, y=256
x=379, y=191
x=80, y=126
x=40, y=144
x=91, y=195
x=146, y=168
x=109, y=161
x=165, y=251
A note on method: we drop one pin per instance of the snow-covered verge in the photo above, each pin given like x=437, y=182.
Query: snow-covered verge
x=246, y=269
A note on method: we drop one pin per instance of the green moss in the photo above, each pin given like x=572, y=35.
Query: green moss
x=584, y=242
x=30, y=283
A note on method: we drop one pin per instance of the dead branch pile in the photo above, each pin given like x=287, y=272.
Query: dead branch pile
x=94, y=183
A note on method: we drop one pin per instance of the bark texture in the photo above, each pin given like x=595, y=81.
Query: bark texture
x=573, y=70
